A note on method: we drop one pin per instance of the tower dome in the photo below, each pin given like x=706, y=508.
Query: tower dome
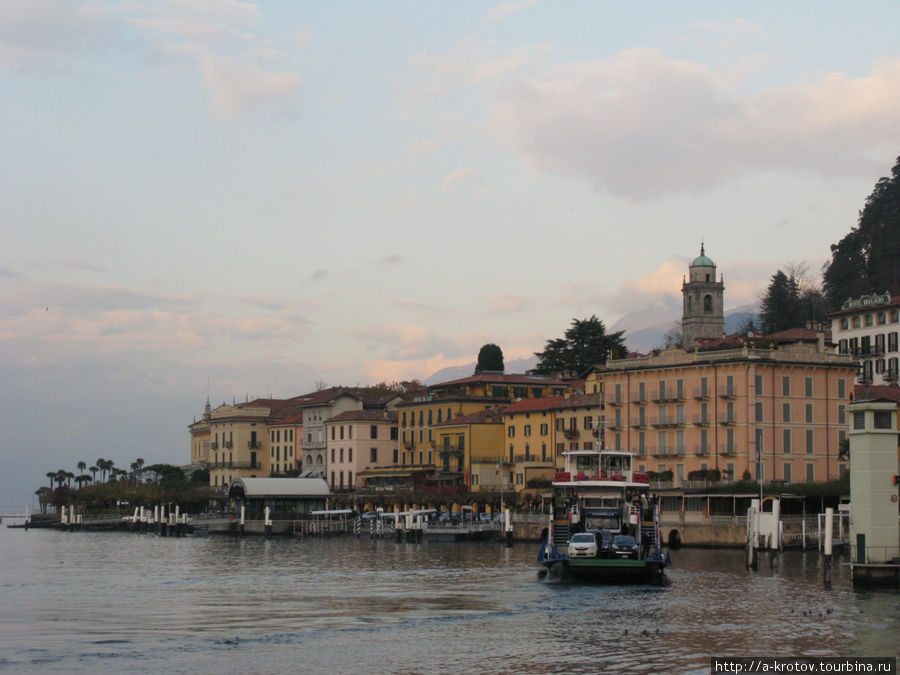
x=701, y=260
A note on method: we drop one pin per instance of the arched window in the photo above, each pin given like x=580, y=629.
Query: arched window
x=689, y=303
x=707, y=303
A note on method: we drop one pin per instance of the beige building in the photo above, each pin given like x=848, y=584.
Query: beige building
x=240, y=443
x=357, y=441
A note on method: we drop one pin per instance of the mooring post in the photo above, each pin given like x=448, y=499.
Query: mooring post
x=242, y=520
x=267, y=524
x=509, y=529
x=829, y=532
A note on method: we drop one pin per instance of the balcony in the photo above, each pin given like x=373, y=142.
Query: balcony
x=638, y=422
x=235, y=465
x=667, y=422
x=701, y=420
x=701, y=393
x=229, y=444
x=701, y=450
x=533, y=459
x=727, y=418
x=668, y=395
x=727, y=392
x=572, y=434
x=614, y=402
x=727, y=450
x=254, y=445
x=638, y=398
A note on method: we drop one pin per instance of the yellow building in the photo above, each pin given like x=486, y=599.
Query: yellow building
x=451, y=400
x=240, y=442
x=530, y=447
x=467, y=448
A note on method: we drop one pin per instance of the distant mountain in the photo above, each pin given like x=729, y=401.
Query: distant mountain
x=459, y=372
x=645, y=330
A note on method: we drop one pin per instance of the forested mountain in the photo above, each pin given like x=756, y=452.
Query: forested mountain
x=867, y=260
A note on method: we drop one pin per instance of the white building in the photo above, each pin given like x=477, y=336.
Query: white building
x=868, y=328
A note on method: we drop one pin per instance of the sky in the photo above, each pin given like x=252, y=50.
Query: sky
x=235, y=199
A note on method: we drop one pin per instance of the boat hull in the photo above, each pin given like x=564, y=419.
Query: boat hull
x=614, y=570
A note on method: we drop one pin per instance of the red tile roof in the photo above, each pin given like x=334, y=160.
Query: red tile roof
x=364, y=416
x=869, y=392
x=489, y=416
x=498, y=378
x=533, y=404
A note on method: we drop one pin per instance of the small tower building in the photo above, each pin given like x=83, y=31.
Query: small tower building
x=703, y=300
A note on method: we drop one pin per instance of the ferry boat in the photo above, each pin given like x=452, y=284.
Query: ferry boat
x=604, y=524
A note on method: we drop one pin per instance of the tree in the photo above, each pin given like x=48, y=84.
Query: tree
x=791, y=301
x=51, y=475
x=674, y=336
x=779, y=304
x=490, y=359
x=584, y=345
x=94, y=469
x=867, y=259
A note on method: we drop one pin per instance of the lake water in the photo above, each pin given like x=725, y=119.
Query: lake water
x=136, y=603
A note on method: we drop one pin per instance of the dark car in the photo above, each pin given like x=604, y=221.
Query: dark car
x=604, y=539
x=624, y=546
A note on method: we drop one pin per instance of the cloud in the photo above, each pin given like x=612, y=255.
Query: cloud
x=236, y=87
x=507, y=303
x=471, y=177
x=640, y=123
x=390, y=260
x=411, y=342
x=504, y=9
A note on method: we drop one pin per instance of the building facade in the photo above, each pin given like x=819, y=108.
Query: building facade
x=867, y=328
x=357, y=441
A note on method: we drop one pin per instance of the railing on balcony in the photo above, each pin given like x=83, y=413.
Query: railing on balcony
x=728, y=450
x=701, y=450
x=235, y=465
x=531, y=458
x=213, y=446
x=668, y=421
x=701, y=393
x=638, y=398
x=727, y=418
x=254, y=445
x=571, y=434
x=701, y=420
x=638, y=422
x=727, y=392
x=667, y=395
x=229, y=444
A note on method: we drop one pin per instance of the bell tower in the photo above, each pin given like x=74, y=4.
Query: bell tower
x=703, y=313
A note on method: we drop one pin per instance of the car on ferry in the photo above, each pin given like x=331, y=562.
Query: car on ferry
x=583, y=545
x=624, y=546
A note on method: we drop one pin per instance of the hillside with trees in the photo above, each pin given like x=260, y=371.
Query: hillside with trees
x=867, y=259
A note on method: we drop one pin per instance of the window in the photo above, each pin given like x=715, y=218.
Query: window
x=856, y=322
x=787, y=472
x=844, y=324
x=786, y=442
x=786, y=412
x=809, y=413
x=808, y=382
x=511, y=431
x=870, y=320
x=842, y=388
x=785, y=386
x=810, y=473
x=587, y=422
x=396, y=456
x=882, y=419
x=430, y=417
x=759, y=411
x=342, y=455
x=421, y=418
x=527, y=430
x=349, y=454
x=332, y=457
x=543, y=430
x=810, y=438
x=758, y=382
x=892, y=342
x=707, y=303
x=403, y=420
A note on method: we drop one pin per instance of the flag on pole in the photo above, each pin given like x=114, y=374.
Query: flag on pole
x=499, y=464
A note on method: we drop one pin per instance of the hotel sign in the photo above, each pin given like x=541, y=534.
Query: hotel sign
x=867, y=301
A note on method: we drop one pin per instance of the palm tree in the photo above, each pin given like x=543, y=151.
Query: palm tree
x=82, y=479
x=94, y=469
x=100, y=467
x=60, y=477
x=139, y=462
x=43, y=495
x=51, y=475
x=81, y=466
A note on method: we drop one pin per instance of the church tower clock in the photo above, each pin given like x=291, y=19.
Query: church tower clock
x=703, y=315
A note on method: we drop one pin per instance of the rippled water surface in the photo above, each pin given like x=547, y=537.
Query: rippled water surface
x=138, y=603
